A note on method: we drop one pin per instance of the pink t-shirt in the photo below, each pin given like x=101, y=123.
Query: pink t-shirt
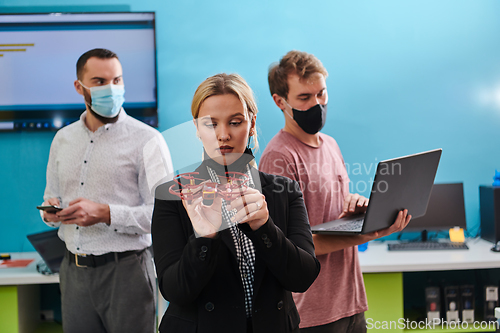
x=339, y=290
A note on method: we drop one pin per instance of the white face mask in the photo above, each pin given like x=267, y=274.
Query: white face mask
x=107, y=100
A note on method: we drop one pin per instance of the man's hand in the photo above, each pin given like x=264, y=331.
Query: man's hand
x=49, y=217
x=324, y=244
x=84, y=213
x=354, y=204
x=401, y=222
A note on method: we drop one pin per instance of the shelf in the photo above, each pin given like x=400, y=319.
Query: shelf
x=398, y=327
x=450, y=330
x=385, y=295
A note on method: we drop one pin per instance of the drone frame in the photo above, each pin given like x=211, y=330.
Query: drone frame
x=209, y=190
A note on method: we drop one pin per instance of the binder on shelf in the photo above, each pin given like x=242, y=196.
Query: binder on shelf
x=452, y=303
x=433, y=304
x=467, y=303
x=490, y=302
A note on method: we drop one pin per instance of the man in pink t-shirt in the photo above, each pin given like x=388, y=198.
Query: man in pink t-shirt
x=336, y=301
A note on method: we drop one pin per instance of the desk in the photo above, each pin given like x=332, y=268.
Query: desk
x=382, y=270
x=383, y=273
x=378, y=259
x=20, y=295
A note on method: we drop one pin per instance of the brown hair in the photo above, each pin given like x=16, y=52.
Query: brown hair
x=294, y=62
x=98, y=53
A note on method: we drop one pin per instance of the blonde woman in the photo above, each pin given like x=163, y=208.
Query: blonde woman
x=231, y=266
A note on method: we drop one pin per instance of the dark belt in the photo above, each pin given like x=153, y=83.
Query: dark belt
x=90, y=260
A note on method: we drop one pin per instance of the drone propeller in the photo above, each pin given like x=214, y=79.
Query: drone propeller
x=236, y=184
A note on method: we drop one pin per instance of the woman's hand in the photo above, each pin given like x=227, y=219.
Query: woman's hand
x=206, y=220
x=251, y=208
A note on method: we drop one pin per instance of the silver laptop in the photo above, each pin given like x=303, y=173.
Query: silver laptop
x=400, y=183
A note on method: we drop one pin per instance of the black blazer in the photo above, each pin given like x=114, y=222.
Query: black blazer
x=200, y=276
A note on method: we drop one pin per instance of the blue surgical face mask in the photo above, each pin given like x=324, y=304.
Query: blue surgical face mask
x=107, y=100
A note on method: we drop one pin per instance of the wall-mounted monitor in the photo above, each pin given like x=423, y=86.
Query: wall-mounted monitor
x=38, y=55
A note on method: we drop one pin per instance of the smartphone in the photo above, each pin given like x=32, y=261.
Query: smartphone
x=50, y=209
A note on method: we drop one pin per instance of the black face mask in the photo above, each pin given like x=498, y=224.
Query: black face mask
x=312, y=120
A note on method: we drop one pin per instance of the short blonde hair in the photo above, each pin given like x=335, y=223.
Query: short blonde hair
x=294, y=62
x=222, y=84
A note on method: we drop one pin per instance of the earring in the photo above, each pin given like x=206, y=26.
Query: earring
x=251, y=138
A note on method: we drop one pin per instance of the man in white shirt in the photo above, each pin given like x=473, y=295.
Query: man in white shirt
x=97, y=173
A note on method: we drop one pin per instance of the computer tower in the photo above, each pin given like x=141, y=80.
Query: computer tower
x=489, y=199
x=490, y=302
x=467, y=303
x=433, y=304
x=452, y=303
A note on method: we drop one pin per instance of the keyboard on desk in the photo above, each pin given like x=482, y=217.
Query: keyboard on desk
x=424, y=246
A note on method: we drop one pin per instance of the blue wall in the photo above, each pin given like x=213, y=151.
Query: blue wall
x=405, y=76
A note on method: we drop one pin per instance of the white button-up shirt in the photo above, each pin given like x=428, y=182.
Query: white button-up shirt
x=120, y=164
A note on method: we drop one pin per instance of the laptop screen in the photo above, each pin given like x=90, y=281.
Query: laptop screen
x=50, y=247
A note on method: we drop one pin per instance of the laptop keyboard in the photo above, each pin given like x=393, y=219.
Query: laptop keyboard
x=418, y=246
x=354, y=225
